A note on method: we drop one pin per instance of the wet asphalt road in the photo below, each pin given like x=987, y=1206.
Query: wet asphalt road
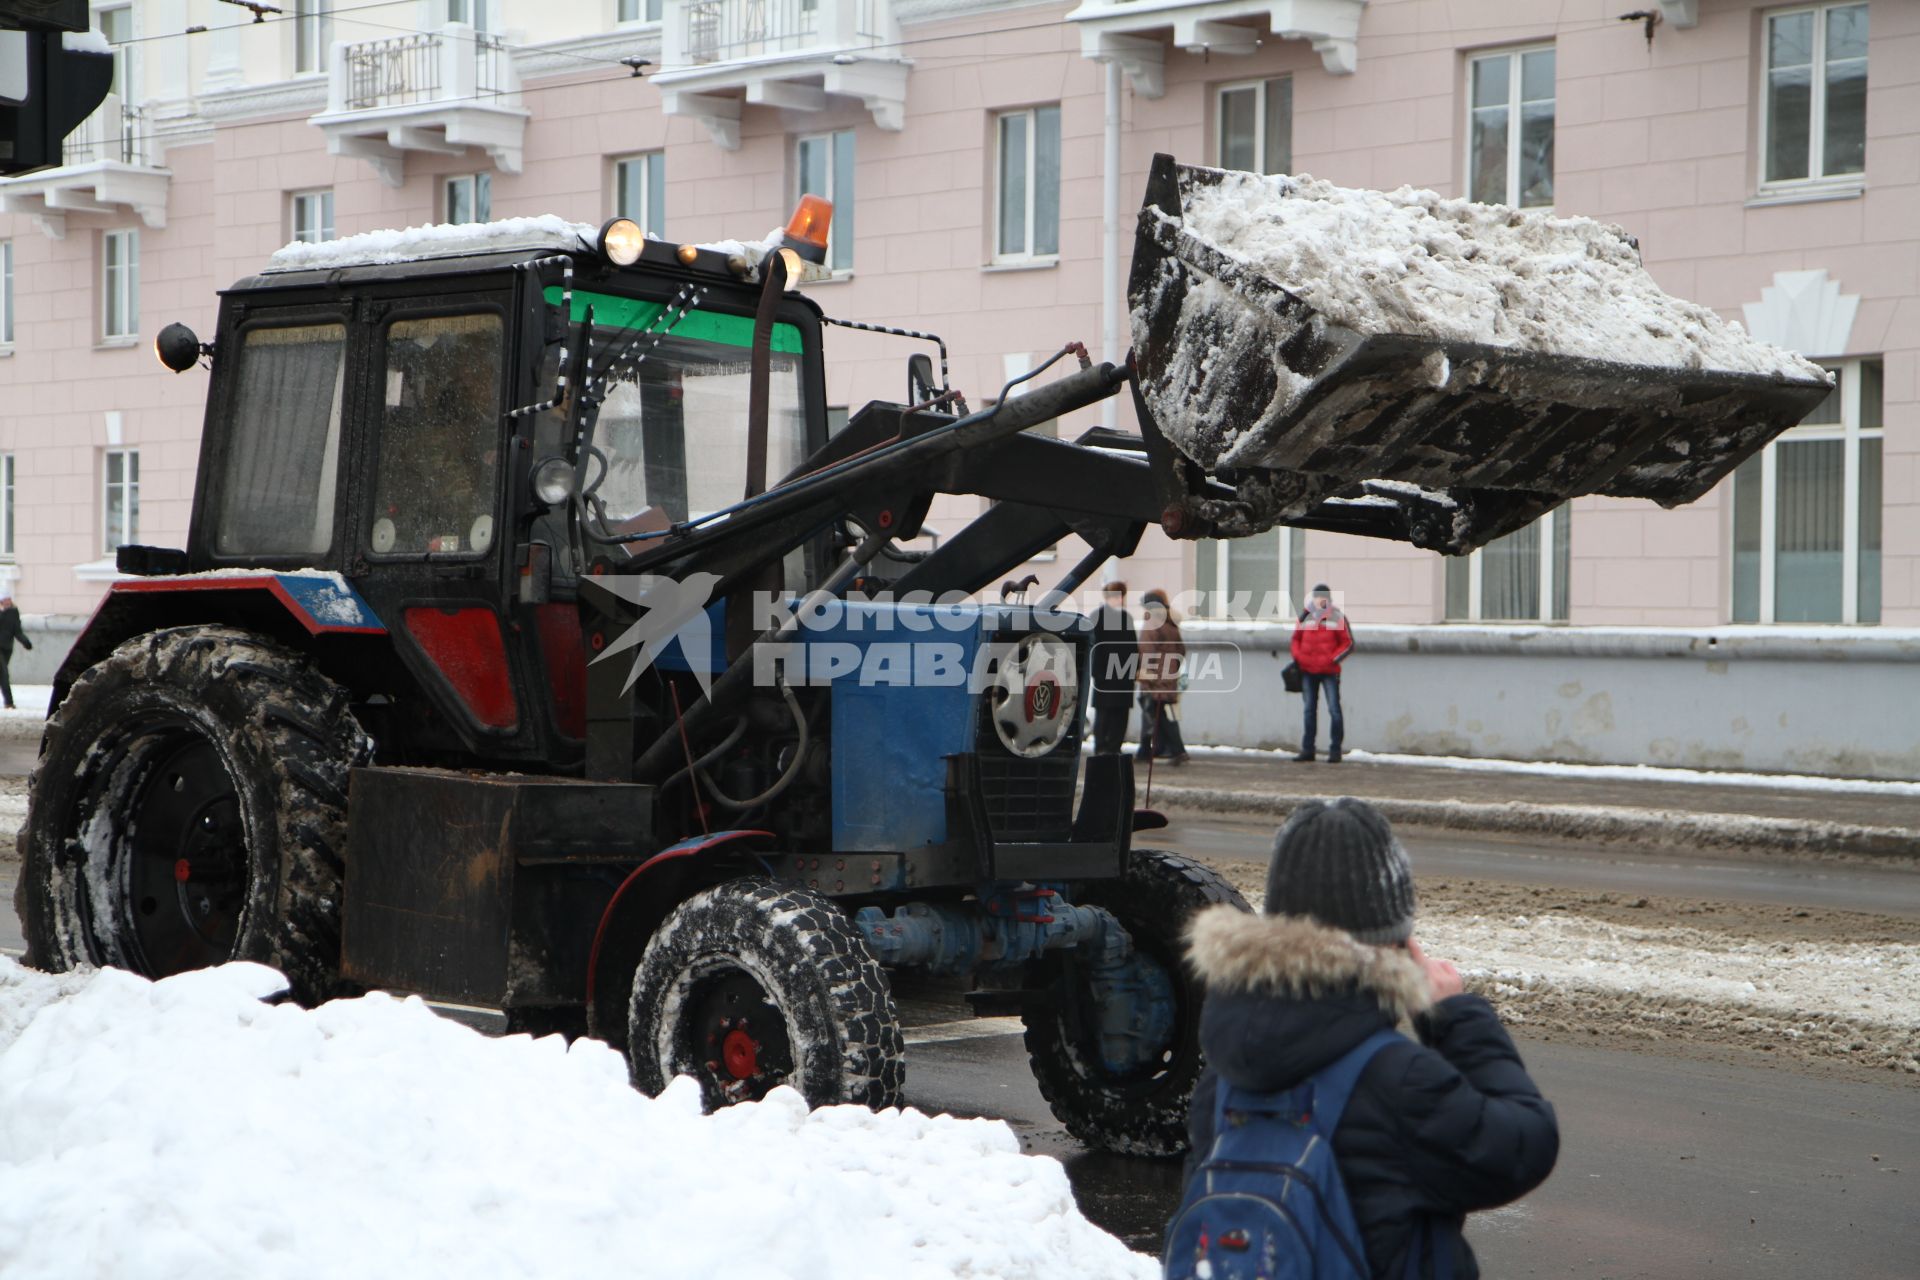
x=1669, y=1167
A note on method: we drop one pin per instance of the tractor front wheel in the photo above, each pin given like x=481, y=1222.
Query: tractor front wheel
x=189, y=808
x=1140, y=1107
x=753, y=984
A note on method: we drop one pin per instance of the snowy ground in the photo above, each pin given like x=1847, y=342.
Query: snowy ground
x=371, y=1138
x=1823, y=987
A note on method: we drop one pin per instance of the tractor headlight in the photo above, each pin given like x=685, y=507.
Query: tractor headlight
x=621, y=240
x=553, y=481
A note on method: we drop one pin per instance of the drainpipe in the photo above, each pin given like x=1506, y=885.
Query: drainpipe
x=1111, y=318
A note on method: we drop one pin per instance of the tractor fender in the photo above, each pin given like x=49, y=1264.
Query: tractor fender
x=292, y=607
x=632, y=914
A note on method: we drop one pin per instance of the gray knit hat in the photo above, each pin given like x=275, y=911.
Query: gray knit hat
x=1337, y=861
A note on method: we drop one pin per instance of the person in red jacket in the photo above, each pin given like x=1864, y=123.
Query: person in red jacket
x=1321, y=638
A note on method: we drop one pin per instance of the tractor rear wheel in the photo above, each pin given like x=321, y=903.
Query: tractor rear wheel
x=753, y=984
x=1139, y=1109
x=189, y=808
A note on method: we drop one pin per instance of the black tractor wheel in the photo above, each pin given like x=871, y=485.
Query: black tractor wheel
x=189, y=808
x=1142, y=1109
x=753, y=984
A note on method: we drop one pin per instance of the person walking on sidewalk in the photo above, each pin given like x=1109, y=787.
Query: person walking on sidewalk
x=1321, y=638
x=1115, y=652
x=10, y=630
x=1163, y=659
x=1436, y=1128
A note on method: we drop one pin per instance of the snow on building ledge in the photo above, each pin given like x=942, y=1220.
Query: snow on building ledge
x=1131, y=32
x=110, y=163
x=438, y=92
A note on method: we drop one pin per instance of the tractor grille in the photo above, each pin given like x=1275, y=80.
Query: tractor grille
x=1028, y=800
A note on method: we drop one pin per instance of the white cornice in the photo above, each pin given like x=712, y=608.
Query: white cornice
x=304, y=95
x=599, y=52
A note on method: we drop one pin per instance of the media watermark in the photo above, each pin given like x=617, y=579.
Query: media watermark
x=952, y=640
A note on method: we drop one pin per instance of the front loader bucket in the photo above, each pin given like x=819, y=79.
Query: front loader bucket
x=1249, y=382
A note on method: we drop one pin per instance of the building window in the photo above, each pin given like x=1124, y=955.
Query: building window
x=1806, y=512
x=119, y=284
x=6, y=293
x=1521, y=577
x=471, y=12
x=837, y=415
x=644, y=10
x=1262, y=578
x=1814, y=108
x=640, y=191
x=6, y=506
x=824, y=164
x=470, y=198
x=1509, y=163
x=117, y=26
x=312, y=216
x=121, y=500
x=1027, y=211
x=1256, y=126
x=312, y=33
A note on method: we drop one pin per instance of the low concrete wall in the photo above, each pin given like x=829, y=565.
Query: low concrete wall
x=52, y=635
x=1822, y=700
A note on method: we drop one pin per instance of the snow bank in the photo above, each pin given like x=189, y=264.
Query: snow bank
x=436, y=240
x=183, y=1128
x=1411, y=262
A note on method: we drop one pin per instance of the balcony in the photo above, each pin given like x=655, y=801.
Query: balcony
x=1135, y=33
x=721, y=56
x=442, y=92
x=109, y=164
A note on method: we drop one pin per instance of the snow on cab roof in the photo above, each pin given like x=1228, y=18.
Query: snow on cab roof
x=436, y=240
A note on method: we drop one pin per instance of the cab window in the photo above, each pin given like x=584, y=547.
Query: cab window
x=281, y=472
x=439, y=450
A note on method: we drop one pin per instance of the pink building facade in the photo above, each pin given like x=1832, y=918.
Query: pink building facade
x=1766, y=156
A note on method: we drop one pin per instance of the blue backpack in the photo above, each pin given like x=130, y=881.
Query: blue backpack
x=1268, y=1202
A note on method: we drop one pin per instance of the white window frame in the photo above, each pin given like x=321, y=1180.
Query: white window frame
x=312, y=35
x=1031, y=115
x=6, y=295
x=129, y=486
x=1815, y=182
x=300, y=231
x=643, y=160
x=837, y=234
x=1516, y=55
x=472, y=12
x=1261, y=87
x=8, y=470
x=122, y=292
x=636, y=12
x=1549, y=526
x=1849, y=430
x=125, y=65
x=479, y=187
x=1216, y=597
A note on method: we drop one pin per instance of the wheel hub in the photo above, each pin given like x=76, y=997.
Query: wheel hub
x=741, y=1036
x=741, y=1054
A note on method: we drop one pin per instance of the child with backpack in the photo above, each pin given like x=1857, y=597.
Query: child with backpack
x=1325, y=1142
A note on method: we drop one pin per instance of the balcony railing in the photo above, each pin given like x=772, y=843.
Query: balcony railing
x=114, y=132
x=735, y=30
x=435, y=66
x=442, y=92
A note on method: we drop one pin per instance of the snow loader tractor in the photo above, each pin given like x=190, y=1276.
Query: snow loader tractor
x=536, y=646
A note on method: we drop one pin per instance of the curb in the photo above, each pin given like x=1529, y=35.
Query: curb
x=1736, y=832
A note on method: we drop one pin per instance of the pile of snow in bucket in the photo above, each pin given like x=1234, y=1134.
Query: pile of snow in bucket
x=183, y=1128
x=1411, y=262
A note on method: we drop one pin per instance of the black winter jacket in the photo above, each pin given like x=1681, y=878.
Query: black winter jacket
x=1434, y=1130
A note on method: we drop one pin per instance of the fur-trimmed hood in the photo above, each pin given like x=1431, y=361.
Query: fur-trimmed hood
x=1294, y=956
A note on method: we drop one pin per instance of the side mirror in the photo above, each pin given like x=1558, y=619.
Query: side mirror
x=920, y=384
x=178, y=347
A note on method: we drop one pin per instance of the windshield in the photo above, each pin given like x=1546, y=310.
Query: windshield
x=670, y=442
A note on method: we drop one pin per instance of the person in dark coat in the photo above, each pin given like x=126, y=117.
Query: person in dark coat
x=1438, y=1127
x=1321, y=640
x=10, y=630
x=1115, y=655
